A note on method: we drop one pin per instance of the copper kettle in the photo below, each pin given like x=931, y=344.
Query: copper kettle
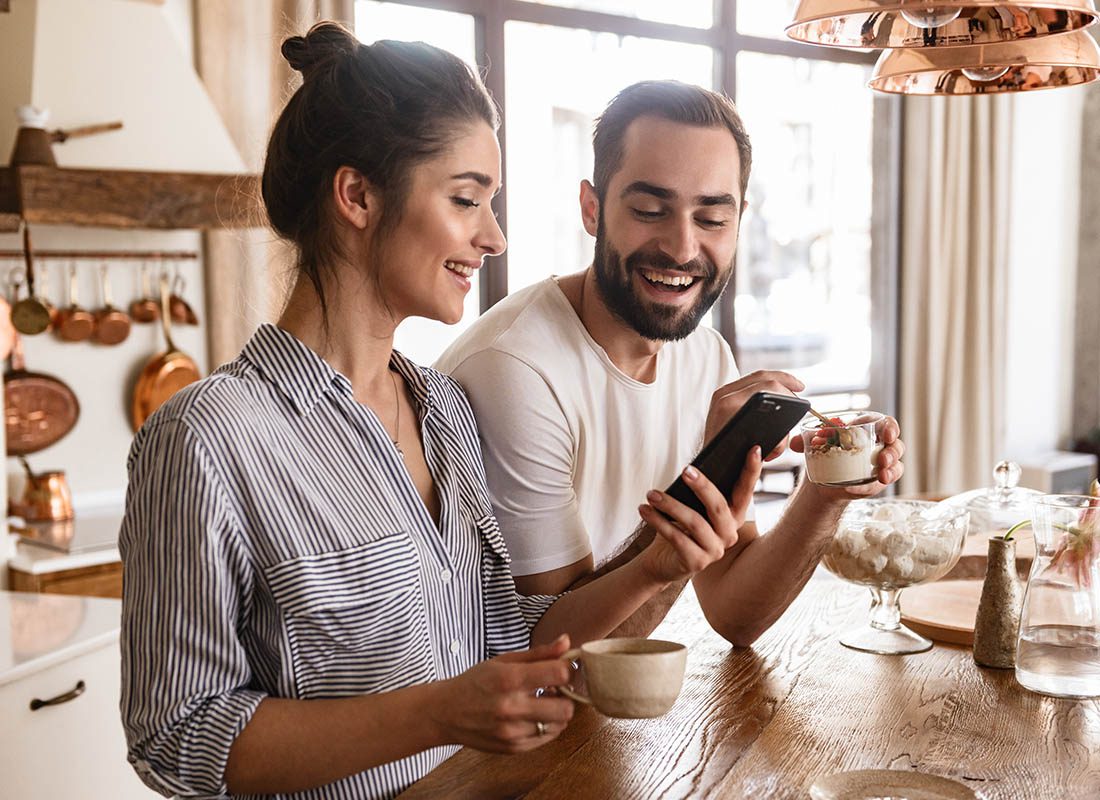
x=46, y=496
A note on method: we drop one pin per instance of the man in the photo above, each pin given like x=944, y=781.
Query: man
x=593, y=388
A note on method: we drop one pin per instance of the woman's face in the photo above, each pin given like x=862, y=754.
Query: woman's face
x=446, y=230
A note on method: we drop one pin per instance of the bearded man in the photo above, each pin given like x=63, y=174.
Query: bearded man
x=590, y=389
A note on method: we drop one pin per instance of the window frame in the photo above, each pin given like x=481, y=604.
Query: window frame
x=723, y=37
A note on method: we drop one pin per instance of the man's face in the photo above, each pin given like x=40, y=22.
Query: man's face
x=666, y=232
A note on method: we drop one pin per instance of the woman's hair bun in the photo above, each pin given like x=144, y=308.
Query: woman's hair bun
x=324, y=44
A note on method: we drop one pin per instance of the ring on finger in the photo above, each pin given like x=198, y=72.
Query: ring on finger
x=540, y=728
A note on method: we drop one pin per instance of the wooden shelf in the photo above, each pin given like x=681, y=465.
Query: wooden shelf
x=127, y=199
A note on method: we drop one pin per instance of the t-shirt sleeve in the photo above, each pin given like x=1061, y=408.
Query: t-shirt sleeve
x=528, y=449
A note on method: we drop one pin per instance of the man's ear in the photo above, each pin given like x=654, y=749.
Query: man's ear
x=354, y=198
x=744, y=207
x=590, y=208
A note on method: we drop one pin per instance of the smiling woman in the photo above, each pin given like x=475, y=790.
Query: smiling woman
x=316, y=587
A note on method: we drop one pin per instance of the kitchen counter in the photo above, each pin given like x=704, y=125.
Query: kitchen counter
x=40, y=630
x=769, y=720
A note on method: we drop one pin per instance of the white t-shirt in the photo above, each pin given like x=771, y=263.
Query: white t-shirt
x=571, y=444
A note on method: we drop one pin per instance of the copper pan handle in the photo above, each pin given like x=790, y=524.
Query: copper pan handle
x=165, y=312
x=28, y=259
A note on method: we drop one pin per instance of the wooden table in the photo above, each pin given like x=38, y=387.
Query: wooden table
x=764, y=722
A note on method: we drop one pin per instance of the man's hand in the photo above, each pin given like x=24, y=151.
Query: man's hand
x=889, y=466
x=688, y=542
x=728, y=399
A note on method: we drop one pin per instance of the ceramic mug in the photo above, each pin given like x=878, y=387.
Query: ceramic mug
x=630, y=678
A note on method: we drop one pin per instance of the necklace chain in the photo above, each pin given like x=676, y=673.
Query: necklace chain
x=396, y=416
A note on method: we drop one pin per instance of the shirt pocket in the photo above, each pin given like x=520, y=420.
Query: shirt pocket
x=355, y=619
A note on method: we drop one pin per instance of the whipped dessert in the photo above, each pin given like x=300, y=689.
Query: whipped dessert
x=842, y=455
x=894, y=549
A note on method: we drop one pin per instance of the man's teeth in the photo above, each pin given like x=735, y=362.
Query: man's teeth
x=461, y=269
x=668, y=280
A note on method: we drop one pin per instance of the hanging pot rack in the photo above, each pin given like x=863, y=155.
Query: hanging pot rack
x=107, y=255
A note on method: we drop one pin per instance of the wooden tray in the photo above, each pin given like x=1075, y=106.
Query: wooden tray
x=944, y=611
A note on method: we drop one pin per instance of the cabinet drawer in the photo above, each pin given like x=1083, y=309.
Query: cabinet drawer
x=75, y=749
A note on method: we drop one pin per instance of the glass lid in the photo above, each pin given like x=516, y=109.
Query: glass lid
x=1000, y=507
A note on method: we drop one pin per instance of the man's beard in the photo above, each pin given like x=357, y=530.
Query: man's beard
x=654, y=321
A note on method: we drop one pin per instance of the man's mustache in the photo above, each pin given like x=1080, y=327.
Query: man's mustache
x=699, y=265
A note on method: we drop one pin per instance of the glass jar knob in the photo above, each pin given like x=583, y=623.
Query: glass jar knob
x=1006, y=476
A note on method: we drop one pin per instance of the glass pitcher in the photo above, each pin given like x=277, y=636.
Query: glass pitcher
x=1058, y=650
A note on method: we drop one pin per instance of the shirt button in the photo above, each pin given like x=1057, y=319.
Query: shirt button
x=445, y=575
x=455, y=646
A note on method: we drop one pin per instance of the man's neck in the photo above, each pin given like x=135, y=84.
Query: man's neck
x=633, y=354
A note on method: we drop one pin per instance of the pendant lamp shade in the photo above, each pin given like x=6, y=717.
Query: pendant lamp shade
x=1045, y=63
x=875, y=24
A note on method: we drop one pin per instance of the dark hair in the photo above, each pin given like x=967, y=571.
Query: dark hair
x=381, y=109
x=671, y=100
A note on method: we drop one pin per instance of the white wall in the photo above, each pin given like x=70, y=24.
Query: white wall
x=93, y=61
x=1042, y=269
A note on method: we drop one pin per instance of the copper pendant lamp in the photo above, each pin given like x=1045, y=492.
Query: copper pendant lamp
x=875, y=24
x=1021, y=66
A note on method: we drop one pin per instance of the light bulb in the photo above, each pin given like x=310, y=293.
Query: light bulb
x=985, y=74
x=928, y=18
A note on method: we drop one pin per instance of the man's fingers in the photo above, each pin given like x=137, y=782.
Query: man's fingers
x=779, y=448
x=785, y=379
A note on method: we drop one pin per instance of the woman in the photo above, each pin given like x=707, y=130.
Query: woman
x=314, y=577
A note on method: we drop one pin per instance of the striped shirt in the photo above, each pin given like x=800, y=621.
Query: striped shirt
x=275, y=545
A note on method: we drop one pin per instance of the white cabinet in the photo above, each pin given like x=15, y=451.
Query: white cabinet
x=75, y=748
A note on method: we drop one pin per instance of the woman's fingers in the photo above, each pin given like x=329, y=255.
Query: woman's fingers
x=690, y=554
x=746, y=484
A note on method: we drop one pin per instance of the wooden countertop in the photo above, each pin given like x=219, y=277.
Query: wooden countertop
x=766, y=721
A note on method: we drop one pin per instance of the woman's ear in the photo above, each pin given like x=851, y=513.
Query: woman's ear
x=354, y=198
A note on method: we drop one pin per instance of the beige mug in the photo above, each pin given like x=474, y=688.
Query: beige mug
x=630, y=678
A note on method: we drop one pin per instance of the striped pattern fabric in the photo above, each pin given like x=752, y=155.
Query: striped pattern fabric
x=275, y=545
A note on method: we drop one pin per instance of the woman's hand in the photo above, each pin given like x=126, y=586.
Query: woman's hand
x=494, y=707
x=688, y=542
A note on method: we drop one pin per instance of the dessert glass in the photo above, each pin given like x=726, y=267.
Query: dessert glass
x=886, y=545
x=845, y=454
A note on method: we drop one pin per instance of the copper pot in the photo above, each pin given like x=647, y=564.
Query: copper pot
x=46, y=496
x=165, y=373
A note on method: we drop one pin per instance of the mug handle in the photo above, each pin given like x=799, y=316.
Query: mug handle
x=571, y=656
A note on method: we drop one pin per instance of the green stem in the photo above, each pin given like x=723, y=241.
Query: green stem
x=1008, y=534
x=1027, y=524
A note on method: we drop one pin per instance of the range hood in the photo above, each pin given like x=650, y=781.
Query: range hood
x=173, y=164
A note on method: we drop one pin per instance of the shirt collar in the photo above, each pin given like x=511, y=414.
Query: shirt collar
x=304, y=377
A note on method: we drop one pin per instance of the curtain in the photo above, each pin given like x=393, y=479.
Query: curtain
x=953, y=289
x=248, y=272
x=1086, y=361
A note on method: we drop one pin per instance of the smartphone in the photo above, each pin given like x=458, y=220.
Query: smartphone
x=764, y=420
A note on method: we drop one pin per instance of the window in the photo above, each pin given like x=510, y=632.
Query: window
x=694, y=13
x=803, y=289
x=765, y=18
x=550, y=113
x=424, y=340
x=813, y=248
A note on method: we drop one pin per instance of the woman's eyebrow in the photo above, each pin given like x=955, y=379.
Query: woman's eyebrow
x=479, y=177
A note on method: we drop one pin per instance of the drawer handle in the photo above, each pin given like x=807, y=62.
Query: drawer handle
x=61, y=698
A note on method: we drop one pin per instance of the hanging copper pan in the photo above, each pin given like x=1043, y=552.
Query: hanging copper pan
x=39, y=409
x=164, y=374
